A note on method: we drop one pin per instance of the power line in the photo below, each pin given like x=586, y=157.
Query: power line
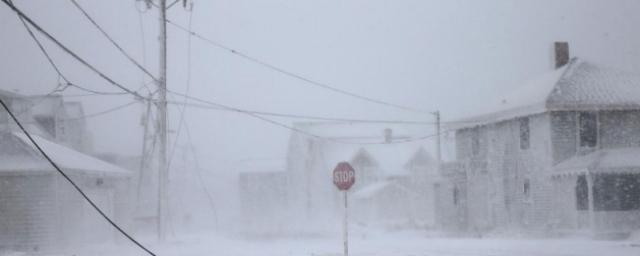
x=77, y=188
x=291, y=128
x=100, y=113
x=68, y=51
x=42, y=49
x=186, y=99
x=199, y=174
x=104, y=33
x=294, y=75
x=218, y=106
x=143, y=43
x=55, y=67
x=308, y=117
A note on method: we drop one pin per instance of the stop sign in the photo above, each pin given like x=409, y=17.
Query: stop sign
x=344, y=176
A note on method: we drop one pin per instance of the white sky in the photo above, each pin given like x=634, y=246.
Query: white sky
x=446, y=55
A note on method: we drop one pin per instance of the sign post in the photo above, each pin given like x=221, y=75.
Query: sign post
x=343, y=177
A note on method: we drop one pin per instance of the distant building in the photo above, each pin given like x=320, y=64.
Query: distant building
x=395, y=186
x=557, y=154
x=263, y=197
x=39, y=210
x=394, y=181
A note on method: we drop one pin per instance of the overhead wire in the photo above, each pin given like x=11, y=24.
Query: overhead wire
x=198, y=172
x=103, y=112
x=308, y=117
x=183, y=122
x=288, y=127
x=57, y=69
x=143, y=43
x=75, y=186
x=188, y=87
x=70, y=52
x=293, y=74
x=105, y=34
x=60, y=87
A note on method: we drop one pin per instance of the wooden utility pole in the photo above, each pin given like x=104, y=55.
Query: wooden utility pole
x=438, y=145
x=163, y=174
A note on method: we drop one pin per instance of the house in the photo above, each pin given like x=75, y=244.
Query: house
x=60, y=120
x=394, y=181
x=556, y=154
x=262, y=190
x=39, y=209
x=394, y=186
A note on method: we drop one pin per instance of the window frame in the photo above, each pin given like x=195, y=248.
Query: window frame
x=475, y=142
x=596, y=128
x=525, y=133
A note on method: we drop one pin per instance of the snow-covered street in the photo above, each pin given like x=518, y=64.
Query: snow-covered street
x=401, y=244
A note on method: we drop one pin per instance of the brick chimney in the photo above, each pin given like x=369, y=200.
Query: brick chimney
x=388, y=135
x=561, y=53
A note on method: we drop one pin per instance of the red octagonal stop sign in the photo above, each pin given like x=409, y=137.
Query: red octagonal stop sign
x=344, y=176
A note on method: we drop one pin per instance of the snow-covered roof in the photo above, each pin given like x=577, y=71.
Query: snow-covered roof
x=373, y=189
x=392, y=159
x=579, y=85
x=66, y=158
x=9, y=94
x=601, y=160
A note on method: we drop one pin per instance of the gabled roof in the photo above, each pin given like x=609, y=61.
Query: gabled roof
x=24, y=157
x=393, y=159
x=374, y=189
x=579, y=85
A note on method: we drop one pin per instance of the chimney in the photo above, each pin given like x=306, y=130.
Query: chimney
x=388, y=135
x=561, y=50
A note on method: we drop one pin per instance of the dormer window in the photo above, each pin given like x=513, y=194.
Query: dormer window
x=588, y=129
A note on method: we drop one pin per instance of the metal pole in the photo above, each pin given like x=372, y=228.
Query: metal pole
x=162, y=119
x=346, y=225
x=143, y=160
x=438, y=145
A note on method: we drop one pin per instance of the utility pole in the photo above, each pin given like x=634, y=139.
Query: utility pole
x=438, y=145
x=163, y=169
x=163, y=175
x=145, y=154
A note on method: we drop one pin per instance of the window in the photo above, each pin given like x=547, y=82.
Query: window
x=588, y=129
x=456, y=195
x=524, y=133
x=611, y=192
x=526, y=188
x=582, y=193
x=616, y=192
x=475, y=142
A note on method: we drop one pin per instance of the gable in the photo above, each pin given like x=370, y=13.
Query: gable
x=579, y=85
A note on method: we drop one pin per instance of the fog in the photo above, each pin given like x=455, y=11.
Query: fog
x=242, y=181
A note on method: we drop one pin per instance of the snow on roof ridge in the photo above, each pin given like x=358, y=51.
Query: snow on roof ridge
x=530, y=97
x=578, y=85
x=599, y=159
x=68, y=158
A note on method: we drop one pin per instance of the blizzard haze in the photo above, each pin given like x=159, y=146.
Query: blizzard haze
x=261, y=184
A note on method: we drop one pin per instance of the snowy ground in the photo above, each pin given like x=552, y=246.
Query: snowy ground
x=409, y=244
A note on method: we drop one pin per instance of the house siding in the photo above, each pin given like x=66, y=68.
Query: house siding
x=497, y=171
x=26, y=212
x=616, y=129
